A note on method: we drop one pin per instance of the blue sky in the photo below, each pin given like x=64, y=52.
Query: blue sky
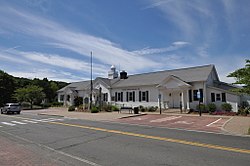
x=54, y=38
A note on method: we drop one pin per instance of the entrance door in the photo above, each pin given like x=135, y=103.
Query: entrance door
x=176, y=98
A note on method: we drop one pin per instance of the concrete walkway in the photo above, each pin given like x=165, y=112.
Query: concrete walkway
x=236, y=125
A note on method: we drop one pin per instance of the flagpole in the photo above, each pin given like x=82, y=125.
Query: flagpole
x=91, y=82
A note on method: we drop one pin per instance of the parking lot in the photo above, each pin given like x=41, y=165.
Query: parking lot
x=203, y=123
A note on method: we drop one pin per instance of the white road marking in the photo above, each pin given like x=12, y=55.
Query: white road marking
x=9, y=124
x=1, y=126
x=54, y=150
x=18, y=122
x=214, y=122
x=166, y=119
x=47, y=120
x=183, y=122
x=29, y=121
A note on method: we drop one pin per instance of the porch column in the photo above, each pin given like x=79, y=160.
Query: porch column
x=188, y=104
x=182, y=101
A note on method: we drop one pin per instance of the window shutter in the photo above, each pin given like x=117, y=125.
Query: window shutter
x=121, y=96
x=147, y=96
x=201, y=93
x=139, y=96
x=223, y=95
x=127, y=96
x=212, y=97
x=190, y=95
x=133, y=96
x=115, y=96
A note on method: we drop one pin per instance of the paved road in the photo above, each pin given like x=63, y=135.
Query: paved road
x=52, y=140
x=196, y=123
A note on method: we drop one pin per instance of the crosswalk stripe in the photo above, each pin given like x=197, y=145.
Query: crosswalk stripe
x=29, y=121
x=46, y=120
x=18, y=122
x=10, y=124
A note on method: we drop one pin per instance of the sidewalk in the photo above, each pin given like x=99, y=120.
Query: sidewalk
x=237, y=125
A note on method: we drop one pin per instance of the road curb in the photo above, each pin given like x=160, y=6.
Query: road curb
x=135, y=115
x=230, y=132
x=50, y=114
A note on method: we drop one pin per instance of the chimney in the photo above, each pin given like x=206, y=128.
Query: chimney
x=123, y=75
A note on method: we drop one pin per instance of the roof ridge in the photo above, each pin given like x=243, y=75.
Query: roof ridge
x=185, y=68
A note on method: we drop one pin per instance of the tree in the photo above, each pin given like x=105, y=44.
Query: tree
x=242, y=76
x=7, y=88
x=31, y=94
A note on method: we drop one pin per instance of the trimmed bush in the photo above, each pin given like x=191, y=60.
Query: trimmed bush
x=94, y=109
x=71, y=108
x=243, y=111
x=226, y=107
x=141, y=108
x=201, y=107
x=211, y=107
x=114, y=108
x=152, y=109
x=107, y=108
x=57, y=104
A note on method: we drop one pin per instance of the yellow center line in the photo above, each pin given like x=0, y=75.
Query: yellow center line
x=210, y=146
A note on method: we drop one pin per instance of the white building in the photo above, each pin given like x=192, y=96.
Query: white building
x=179, y=88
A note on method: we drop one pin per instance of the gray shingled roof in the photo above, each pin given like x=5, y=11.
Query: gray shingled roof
x=199, y=73
x=75, y=85
x=192, y=74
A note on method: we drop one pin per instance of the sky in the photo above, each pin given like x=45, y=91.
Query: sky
x=54, y=38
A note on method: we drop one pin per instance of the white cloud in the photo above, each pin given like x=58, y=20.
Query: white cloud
x=104, y=51
x=174, y=46
x=47, y=73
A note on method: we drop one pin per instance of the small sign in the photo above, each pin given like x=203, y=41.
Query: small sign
x=198, y=95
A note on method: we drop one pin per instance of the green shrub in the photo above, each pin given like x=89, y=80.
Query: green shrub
x=114, y=108
x=152, y=109
x=46, y=105
x=243, y=111
x=94, y=109
x=57, y=104
x=107, y=108
x=201, y=107
x=71, y=108
x=226, y=107
x=211, y=107
x=141, y=108
x=25, y=105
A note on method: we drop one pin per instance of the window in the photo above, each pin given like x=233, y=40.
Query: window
x=61, y=97
x=195, y=95
x=212, y=97
x=119, y=96
x=223, y=97
x=131, y=96
x=143, y=96
x=105, y=97
x=217, y=97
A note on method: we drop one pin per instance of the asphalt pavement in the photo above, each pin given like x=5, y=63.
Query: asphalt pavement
x=69, y=141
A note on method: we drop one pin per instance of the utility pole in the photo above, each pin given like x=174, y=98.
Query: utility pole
x=91, y=82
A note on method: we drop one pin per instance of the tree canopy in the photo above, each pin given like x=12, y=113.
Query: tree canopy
x=31, y=94
x=9, y=84
x=242, y=77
